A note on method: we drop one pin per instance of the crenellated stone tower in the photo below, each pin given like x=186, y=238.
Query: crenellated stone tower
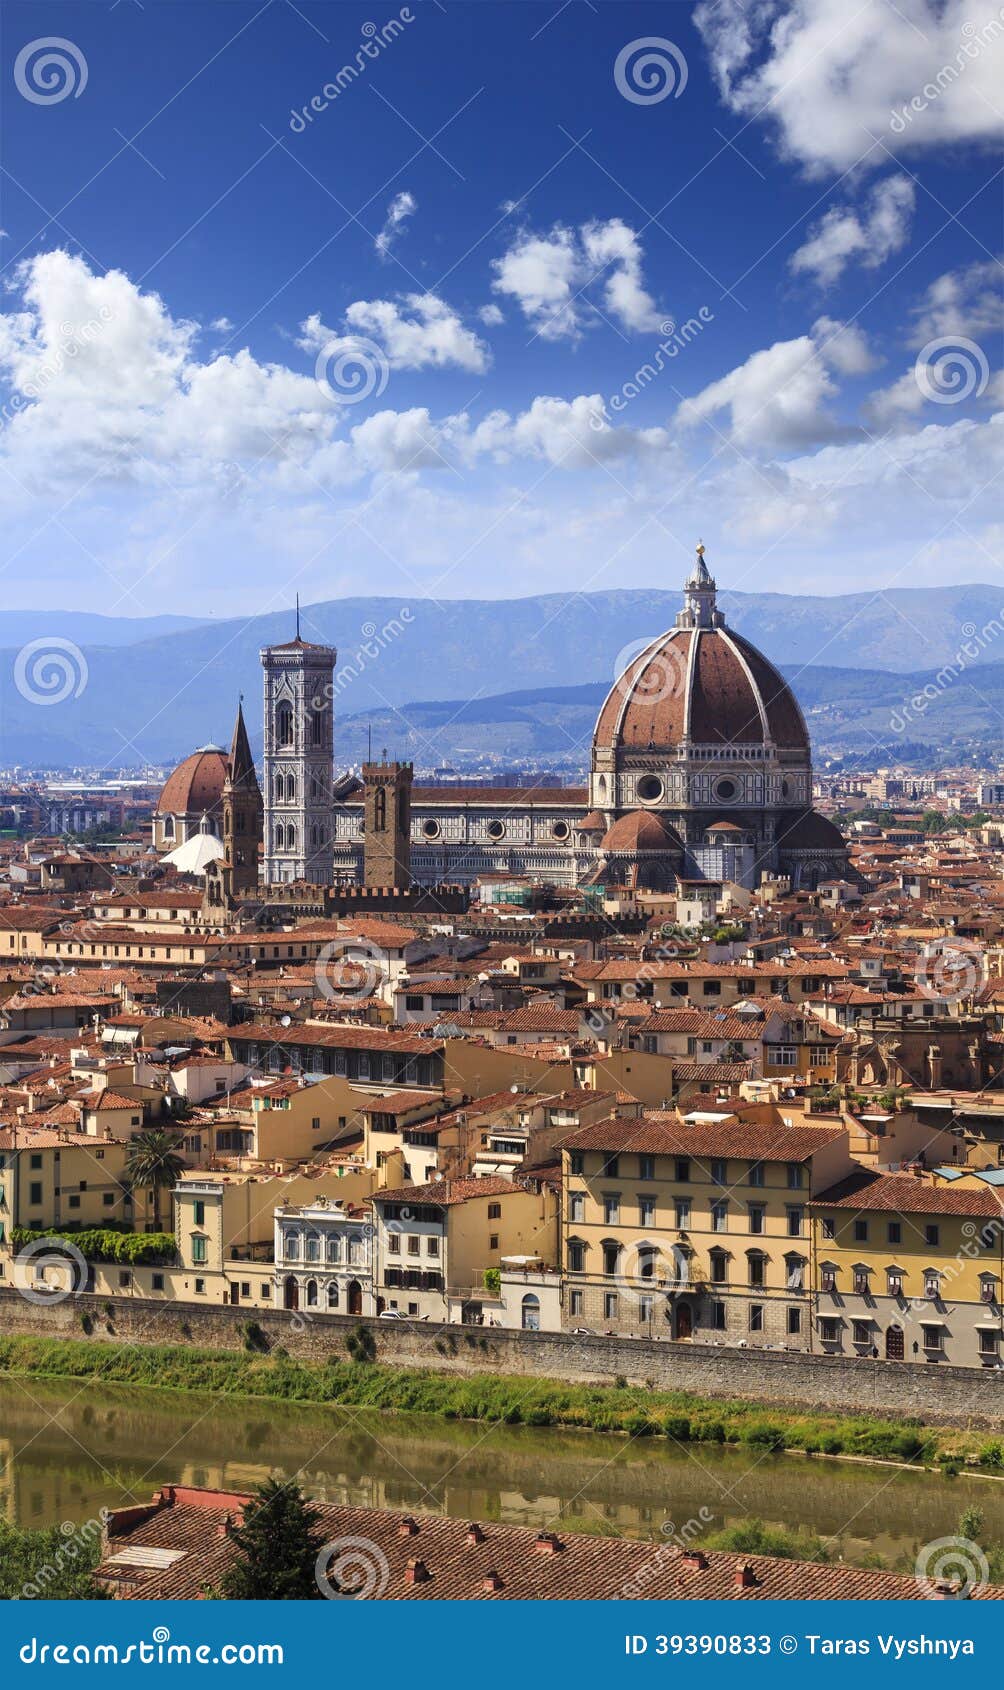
x=387, y=824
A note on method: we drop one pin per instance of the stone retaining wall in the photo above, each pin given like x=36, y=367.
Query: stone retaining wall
x=933, y=1392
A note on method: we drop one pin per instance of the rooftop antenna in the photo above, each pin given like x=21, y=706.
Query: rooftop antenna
x=369, y=742
x=298, y=616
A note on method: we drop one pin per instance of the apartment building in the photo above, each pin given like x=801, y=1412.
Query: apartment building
x=909, y=1267
x=695, y=1227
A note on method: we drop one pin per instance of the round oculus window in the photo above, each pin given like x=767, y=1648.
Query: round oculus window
x=431, y=829
x=496, y=830
x=560, y=830
x=725, y=789
x=650, y=789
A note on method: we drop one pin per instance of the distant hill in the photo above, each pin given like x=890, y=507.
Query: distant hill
x=86, y=628
x=861, y=713
x=155, y=694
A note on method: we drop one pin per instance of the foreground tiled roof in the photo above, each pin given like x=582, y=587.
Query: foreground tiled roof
x=431, y=1558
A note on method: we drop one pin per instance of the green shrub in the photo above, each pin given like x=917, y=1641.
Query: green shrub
x=677, y=1426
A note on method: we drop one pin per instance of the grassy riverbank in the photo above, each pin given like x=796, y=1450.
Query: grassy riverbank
x=619, y=1408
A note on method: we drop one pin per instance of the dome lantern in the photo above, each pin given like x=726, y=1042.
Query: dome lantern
x=700, y=601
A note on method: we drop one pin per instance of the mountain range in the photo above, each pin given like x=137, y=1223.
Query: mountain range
x=516, y=677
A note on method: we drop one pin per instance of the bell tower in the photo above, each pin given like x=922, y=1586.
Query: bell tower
x=299, y=825
x=387, y=824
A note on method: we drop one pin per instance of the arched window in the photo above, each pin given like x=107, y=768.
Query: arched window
x=531, y=1313
x=333, y=1294
x=311, y=1293
x=315, y=790
x=168, y=823
x=284, y=724
x=290, y=787
x=291, y=839
x=380, y=810
x=316, y=720
x=279, y=788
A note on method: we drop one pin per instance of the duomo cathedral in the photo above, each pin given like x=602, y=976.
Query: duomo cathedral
x=700, y=769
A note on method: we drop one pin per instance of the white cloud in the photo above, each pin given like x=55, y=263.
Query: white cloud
x=551, y=276
x=573, y=433
x=892, y=406
x=420, y=332
x=965, y=302
x=869, y=237
x=775, y=400
x=540, y=272
x=613, y=244
x=834, y=75
x=402, y=206
x=221, y=325
x=844, y=346
x=491, y=316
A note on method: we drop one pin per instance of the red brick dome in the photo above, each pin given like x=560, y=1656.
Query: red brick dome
x=700, y=683
x=196, y=785
x=641, y=830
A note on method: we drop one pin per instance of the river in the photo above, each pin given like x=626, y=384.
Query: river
x=67, y=1449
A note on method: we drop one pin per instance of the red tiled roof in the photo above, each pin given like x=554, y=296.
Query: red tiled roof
x=433, y=1557
x=906, y=1194
x=664, y=1134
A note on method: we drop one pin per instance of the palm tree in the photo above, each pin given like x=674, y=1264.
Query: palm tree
x=154, y=1161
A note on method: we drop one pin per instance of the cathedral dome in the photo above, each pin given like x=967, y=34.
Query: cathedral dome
x=700, y=684
x=196, y=785
x=641, y=830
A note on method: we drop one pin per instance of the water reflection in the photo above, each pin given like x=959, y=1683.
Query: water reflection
x=66, y=1450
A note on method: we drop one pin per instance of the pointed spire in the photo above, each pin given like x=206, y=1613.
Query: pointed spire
x=298, y=616
x=241, y=770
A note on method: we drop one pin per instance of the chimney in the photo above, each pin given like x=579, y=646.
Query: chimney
x=745, y=1577
x=546, y=1543
x=491, y=1581
x=475, y=1534
x=408, y=1527
x=416, y=1572
x=695, y=1559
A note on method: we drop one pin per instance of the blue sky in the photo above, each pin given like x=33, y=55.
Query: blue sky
x=190, y=270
